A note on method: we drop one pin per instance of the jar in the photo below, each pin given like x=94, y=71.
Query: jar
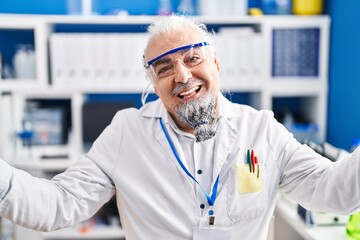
x=307, y=7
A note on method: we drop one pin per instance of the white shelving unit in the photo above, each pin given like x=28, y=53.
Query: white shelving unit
x=13, y=22
x=72, y=233
x=93, y=233
x=262, y=89
x=287, y=212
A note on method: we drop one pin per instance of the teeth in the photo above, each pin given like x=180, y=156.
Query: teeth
x=189, y=91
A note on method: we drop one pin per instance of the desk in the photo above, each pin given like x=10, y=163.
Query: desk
x=287, y=211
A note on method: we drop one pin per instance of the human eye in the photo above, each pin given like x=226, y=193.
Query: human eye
x=193, y=60
x=163, y=70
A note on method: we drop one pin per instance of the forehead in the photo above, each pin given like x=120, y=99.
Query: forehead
x=165, y=42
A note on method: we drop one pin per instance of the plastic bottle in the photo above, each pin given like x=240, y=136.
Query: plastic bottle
x=283, y=6
x=239, y=7
x=165, y=8
x=186, y=7
x=353, y=227
x=24, y=62
x=269, y=6
x=208, y=7
x=307, y=7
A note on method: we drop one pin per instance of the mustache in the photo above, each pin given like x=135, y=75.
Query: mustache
x=199, y=114
x=181, y=86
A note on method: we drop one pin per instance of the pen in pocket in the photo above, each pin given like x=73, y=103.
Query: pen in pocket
x=253, y=162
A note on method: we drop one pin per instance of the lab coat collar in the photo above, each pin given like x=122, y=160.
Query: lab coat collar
x=226, y=131
x=157, y=109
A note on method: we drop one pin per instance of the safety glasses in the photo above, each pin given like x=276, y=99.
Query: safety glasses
x=190, y=56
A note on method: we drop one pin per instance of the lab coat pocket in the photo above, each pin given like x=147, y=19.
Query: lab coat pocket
x=249, y=181
x=247, y=192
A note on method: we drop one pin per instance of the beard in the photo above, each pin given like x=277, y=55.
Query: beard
x=199, y=114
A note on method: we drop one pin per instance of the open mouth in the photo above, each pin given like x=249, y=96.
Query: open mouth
x=190, y=92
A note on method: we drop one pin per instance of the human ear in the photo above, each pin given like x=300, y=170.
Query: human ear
x=217, y=63
x=155, y=89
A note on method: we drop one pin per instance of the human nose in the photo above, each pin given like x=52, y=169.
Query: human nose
x=182, y=72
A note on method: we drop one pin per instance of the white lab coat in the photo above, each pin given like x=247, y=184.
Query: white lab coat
x=157, y=200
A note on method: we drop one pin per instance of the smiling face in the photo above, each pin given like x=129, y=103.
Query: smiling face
x=189, y=80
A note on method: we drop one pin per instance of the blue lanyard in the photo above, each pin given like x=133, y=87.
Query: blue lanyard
x=211, y=199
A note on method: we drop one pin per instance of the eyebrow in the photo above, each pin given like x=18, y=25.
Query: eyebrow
x=176, y=50
x=161, y=61
x=165, y=59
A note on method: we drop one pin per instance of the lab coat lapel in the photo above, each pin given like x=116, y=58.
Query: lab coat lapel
x=226, y=135
x=157, y=110
x=161, y=139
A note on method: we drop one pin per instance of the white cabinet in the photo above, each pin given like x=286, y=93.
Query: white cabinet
x=268, y=59
x=15, y=24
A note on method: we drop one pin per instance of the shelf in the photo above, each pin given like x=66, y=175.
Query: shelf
x=125, y=88
x=100, y=232
x=287, y=210
x=243, y=85
x=18, y=84
x=56, y=164
x=21, y=20
x=26, y=21
x=14, y=21
x=291, y=87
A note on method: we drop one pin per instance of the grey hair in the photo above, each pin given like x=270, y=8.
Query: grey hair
x=175, y=22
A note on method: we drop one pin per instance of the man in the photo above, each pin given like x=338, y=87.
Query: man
x=191, y=165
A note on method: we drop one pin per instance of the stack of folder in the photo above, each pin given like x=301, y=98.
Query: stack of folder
x=98, y=60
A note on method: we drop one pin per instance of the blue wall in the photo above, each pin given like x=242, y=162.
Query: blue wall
x=344, y=73
x=33, y=6
x=134, y=7
x=344, y=64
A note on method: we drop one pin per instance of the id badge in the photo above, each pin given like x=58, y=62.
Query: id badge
x=212, y=233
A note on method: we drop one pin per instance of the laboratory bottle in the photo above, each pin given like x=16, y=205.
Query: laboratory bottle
x=186, y=7
x=307, y=7
x=269, y=6
x=283, y=6
x=24, y=61
x=208, y=7
x=165, y=8
x=353, y=227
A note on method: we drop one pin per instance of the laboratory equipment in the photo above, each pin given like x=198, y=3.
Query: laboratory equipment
x=307, y=7
x=24, y=62
x=353, y=227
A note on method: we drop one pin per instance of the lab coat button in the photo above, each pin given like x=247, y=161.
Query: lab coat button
x=202, y=206
x=199, y=171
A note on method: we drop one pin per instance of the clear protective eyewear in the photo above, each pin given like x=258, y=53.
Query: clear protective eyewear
x=189, y=55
